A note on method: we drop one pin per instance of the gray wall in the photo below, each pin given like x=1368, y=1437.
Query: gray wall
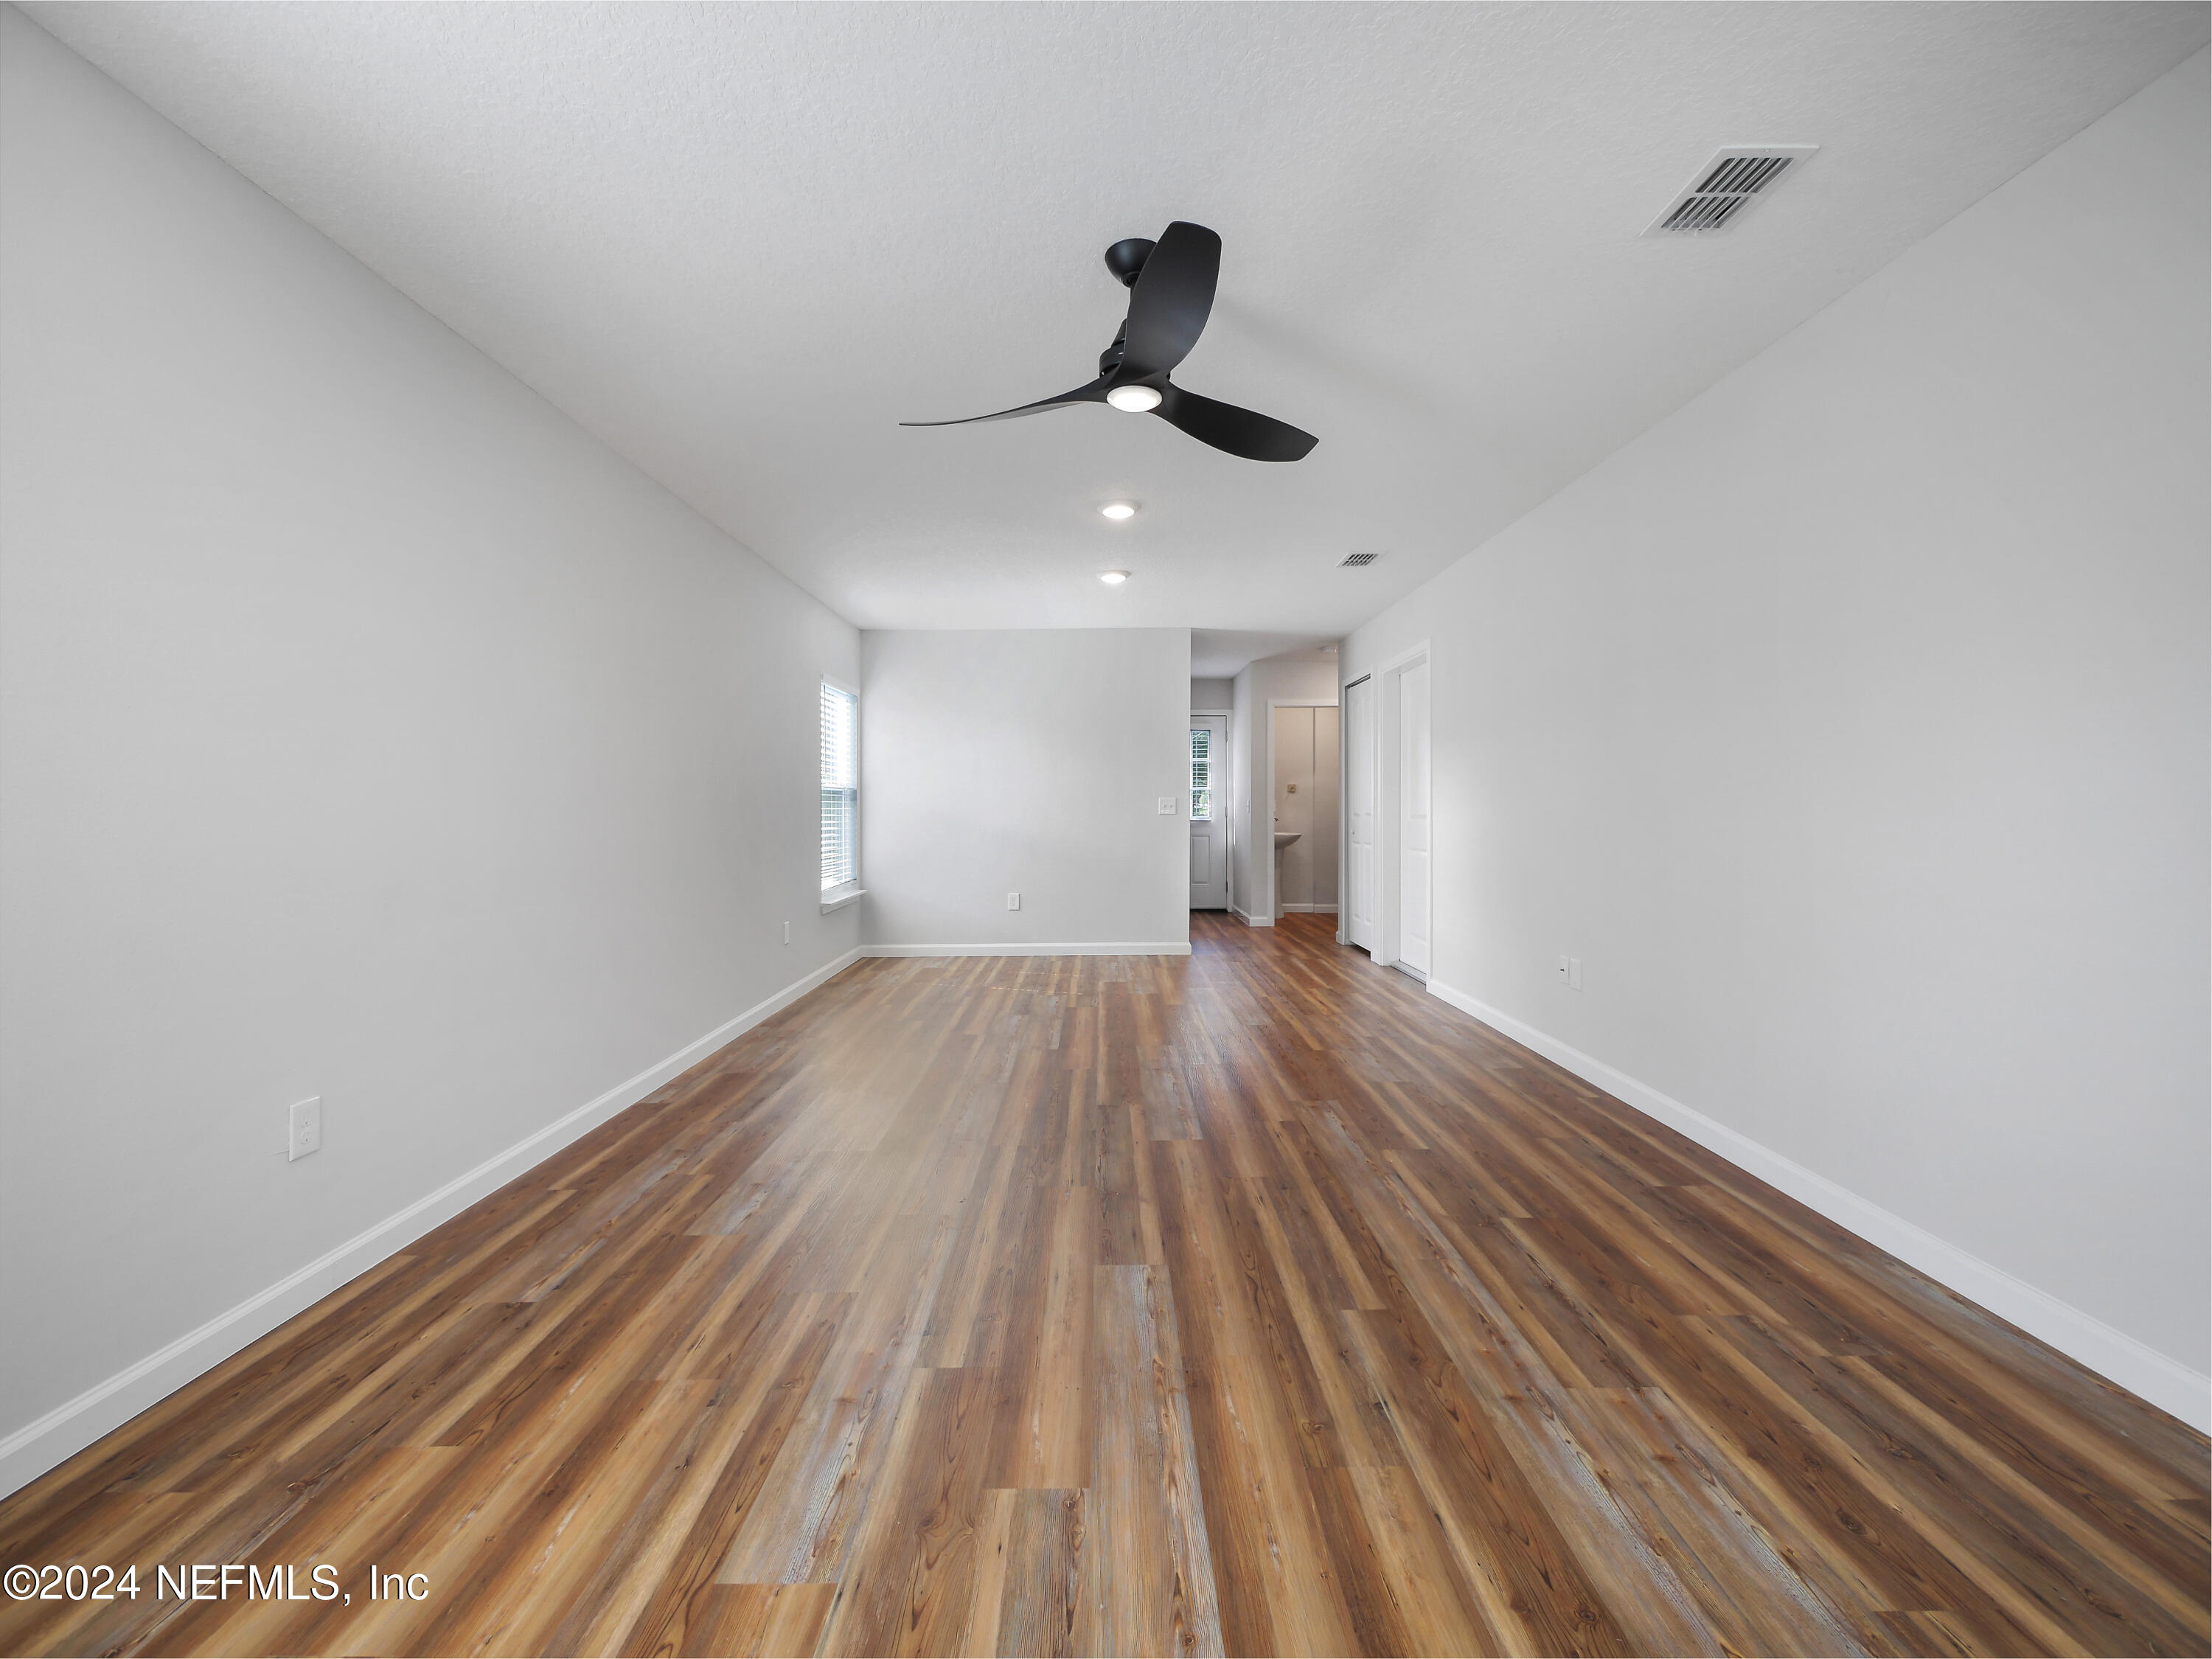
x=1851, y=727
x=366, y=730
x=1028, y=760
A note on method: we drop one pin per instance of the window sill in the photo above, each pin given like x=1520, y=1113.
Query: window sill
x=838, y=897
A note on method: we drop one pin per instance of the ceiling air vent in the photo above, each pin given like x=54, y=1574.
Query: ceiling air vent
x=1354, y=561
x=1727, y=185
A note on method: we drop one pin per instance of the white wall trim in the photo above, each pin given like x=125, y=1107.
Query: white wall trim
x=1248, y=919
x=1310, y=910
x=1161, y=948
x=2166, y=1382
x=39, y=1446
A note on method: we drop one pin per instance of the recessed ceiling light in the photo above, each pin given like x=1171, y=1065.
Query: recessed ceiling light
x=1112, y=578
x=1119, y=509
x=1135, y=398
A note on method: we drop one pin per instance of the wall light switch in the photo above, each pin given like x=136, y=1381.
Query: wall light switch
x=1014, y=901
x=1563, y=968
x=786, y=932
x=1574, y=973
x=1167, y=806
x=303, y=1129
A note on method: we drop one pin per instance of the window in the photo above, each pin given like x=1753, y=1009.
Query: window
x=840, y=787
x=1201, y=772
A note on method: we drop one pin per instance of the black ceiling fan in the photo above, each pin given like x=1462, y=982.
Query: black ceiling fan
x=1171, y=284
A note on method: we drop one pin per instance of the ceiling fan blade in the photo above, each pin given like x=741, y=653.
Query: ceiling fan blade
x=1093, y=393
x=1169, y=305
x=1239, y=431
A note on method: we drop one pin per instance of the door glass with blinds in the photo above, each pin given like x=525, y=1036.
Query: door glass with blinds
x=840, y=787
x=1201, y=772
x=1209, y=826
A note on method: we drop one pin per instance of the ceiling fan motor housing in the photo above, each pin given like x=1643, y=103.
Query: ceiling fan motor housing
x=1126, y=258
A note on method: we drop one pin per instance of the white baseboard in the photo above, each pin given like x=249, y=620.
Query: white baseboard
x=1160, y=948
x=2166, y=1382
x=1310, y=910
x=1250, y=920
x=33, y=1449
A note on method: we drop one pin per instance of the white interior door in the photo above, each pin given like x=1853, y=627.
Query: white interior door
x=1414, y=818
x=1360, y=813
x=1209, y=813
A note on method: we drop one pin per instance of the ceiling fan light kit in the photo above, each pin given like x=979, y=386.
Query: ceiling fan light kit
x=1171, y=283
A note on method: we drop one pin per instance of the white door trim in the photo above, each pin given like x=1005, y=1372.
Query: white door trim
x=1388, y=676
x=1267, y=754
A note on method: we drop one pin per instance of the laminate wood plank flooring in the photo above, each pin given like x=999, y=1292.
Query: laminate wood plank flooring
x=1250, y=1302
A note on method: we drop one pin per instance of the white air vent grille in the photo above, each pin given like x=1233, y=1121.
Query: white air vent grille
x=1353, y=560
x=1727, y=185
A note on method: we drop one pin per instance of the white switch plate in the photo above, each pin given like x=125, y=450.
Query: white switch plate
x=786, y=932
x=1014, y=901
x=1563, y=968
x=1167, y=806
x=1574, y=973
x=303, y=1130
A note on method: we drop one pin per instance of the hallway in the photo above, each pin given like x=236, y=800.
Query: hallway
x=1252, y=1301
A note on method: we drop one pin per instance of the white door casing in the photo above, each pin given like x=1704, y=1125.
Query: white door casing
x=1209, y=836
x=1361, y=876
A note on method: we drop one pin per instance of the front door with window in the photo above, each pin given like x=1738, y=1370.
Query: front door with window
x=1209, y=813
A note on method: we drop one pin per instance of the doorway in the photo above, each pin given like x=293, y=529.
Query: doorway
x=1209, y=812
x=1305, y=777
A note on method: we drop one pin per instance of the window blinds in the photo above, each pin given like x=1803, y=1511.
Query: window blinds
x=841, y=786
x=1201, y=772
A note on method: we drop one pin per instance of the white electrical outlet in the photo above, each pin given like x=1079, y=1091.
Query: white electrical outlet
x=303, y=1131
x=1574, y=973
x=1167, y=806
x=1014, y=901
x=786, y=932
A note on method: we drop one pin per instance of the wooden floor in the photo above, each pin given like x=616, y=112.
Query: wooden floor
x=1253, y=1302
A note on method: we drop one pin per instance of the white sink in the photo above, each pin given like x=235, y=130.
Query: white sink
x=1284, y=838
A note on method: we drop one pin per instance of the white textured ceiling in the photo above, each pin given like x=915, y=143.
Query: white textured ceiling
x=741, y=242
x=1218, y=653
